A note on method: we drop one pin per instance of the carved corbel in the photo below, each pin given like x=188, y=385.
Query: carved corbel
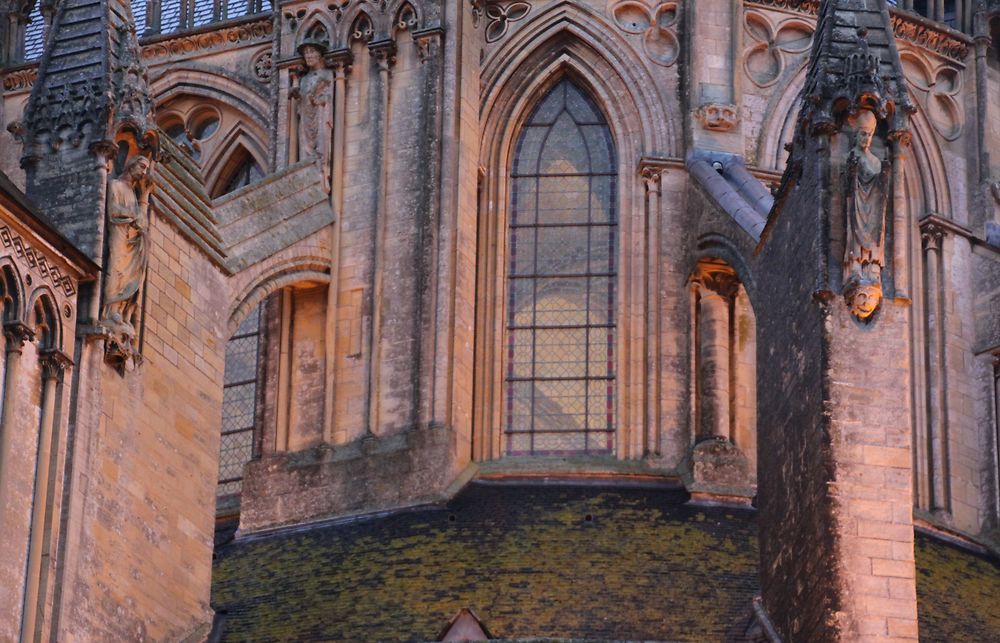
x=718, y=117
x=340, y=61
x=428, y=42
x=384, y=53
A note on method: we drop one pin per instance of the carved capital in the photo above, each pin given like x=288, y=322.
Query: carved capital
x=54, y=364
x=718, y=117
x=931, y=236
x=717, y=278
x=15, y=334
x=384, y=53
x=340, y=61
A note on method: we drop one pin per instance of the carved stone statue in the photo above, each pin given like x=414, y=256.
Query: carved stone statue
x=128, y=254
x=315, y=93
x=866, y=196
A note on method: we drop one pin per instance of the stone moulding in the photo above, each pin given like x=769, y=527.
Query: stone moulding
x=240, y=34
x=920, y=31
x=21, y=78
x=36, y=261
x=929, y=37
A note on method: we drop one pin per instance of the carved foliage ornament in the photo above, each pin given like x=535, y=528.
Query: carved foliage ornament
x=263, y=66
x=802, y=6
x=240, y=34
x=499, y=17
x=657, y=26
x=929, y=37
x=19, y=79
x=771, y=45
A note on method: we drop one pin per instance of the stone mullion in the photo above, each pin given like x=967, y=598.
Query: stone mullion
x=936, y=400
x=340, y=61
x=54, y=364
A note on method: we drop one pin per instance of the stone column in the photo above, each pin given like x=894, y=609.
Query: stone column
x=717, y=285
x=54, y=364
x=15, y=334
x=384, y=53
x=652, y=173
x=932, y=237
x=340, y=61
x=718, y=467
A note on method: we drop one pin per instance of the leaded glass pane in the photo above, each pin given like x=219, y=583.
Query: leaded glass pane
x=239, y=404
x=34, y=34
x=562, y=241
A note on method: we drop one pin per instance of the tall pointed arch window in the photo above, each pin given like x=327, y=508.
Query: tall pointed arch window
x=562, y=238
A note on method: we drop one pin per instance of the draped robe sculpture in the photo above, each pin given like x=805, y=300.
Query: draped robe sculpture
x=128, y=256
x=866, y=197
x=315, y=93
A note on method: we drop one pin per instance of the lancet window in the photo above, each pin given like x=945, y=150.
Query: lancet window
x=562, y=248
x=240, y=394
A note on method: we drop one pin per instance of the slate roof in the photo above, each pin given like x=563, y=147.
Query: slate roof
x=524, y=557
x=958, y=592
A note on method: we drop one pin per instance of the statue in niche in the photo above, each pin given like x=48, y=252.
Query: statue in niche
x=128, y=255
x=866, y=196
x=315, y=94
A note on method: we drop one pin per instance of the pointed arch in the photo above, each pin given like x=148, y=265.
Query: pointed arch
x=215, y=84
x=406, y=18
x=235, y=149
x=567, y=37
x=926, y=177
x=357, y=24
x=314, y=269
x=316, y=26
x=568, y=41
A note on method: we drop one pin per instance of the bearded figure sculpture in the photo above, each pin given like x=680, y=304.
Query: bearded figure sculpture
x=128, y=256
x=866, y=197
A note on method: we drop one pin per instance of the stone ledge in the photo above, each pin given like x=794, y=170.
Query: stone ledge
x=369, y=474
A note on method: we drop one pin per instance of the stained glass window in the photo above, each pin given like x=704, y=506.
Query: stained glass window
x=560, y=385
x=239, y=404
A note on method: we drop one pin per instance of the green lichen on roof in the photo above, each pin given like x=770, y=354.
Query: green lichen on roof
x=958, y=593
x=524, y=558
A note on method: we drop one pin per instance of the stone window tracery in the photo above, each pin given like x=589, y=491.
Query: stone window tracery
x=559, y=374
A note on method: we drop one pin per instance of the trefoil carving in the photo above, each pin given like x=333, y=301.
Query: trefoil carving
x=656, y=25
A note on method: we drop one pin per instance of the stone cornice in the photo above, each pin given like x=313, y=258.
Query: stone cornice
x=36, y=261
x=215, y=36
x=907, y=26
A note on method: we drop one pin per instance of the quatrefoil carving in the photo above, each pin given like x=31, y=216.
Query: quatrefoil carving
x=936, y=89
x=770, y=45
x=657, y=26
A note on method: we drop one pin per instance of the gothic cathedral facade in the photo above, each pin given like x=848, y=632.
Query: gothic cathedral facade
x=285, y=277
